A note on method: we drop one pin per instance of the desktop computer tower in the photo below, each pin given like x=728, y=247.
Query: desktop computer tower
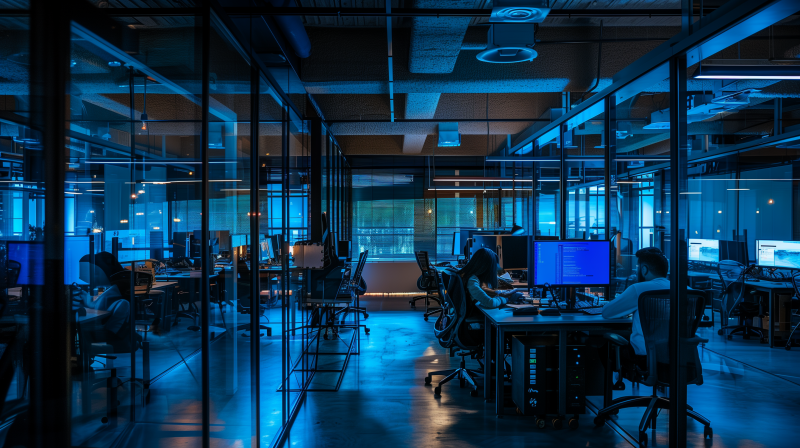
x=534, y=374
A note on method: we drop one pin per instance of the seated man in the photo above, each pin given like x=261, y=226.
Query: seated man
x=651, y=273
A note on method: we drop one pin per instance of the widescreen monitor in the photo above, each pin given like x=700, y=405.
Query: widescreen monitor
x=703, y=250
x=571, y=263
x=779, y=254
x=30, y=256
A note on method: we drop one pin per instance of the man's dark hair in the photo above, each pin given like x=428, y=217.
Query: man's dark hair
x=654, y=259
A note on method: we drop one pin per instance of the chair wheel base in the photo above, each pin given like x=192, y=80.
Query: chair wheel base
x=473, y=393
x=427, y=381
x=599, y=421
x=540, y=423
x=437, y=391
x=708, y=432
x=573, y=423
x=642, y=439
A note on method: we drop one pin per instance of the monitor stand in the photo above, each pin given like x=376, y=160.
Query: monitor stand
x=569, y=302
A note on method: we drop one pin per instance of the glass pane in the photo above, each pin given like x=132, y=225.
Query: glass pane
x=139, y=209
x=22, y=198
x=231, y=304
x=273, y=307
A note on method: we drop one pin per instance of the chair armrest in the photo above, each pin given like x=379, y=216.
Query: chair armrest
x=695, y=340
x=616, y=339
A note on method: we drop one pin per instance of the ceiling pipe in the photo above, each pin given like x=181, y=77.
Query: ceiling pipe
x=292, y=28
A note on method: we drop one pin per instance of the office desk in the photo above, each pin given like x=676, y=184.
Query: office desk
x=504, y=321
x=22, y=321
x=772, y=288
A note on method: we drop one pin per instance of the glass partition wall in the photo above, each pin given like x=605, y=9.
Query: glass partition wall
x=696, y=142
x=180, y=158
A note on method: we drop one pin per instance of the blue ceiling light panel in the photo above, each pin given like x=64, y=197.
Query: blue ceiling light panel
x=448, y=134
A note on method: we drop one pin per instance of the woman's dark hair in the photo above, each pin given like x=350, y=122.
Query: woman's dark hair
x=483, y=265
x=654, y=259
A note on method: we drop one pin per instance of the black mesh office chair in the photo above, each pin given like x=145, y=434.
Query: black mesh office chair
x=455, y=331
x=358, y=286
x=732, y=274
x=790, y=341
x=654, y=311
x=428, y=283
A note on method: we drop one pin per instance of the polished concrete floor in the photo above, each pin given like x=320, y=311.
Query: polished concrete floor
x=751, y=395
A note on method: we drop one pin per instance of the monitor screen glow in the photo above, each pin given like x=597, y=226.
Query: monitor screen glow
x=779, y=254
x=577, y=263
x=703, y=250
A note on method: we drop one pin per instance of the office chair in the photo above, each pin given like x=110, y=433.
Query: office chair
x=453, y=329
x=731, y=275
x=790, y=341
x=8, y=281
x=111, y=272
x=90, y=345
x=245, y=302
x=357, y=284
x=654, y=314
x=428, y=283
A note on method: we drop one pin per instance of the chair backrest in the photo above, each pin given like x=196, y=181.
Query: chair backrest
x=452, y=328
x=654, y=316
x=730, y=274
x=446, y=324
x=13, y=269
x=362, y=260
x=424, y=263
x=796, y=284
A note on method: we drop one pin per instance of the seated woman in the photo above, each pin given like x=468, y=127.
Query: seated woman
x=480, y=280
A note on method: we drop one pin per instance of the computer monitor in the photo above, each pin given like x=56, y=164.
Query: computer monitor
x=30, y=256
x=571, y=263
x=457, y=249
x=703, y=250
x=512, y=250
x=276, y=245
x=75, y=247
x=734, y=250
x=266, y=249
x=778, y=254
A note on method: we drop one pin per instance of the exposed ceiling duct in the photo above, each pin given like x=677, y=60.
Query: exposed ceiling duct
x=293, y=30
x=511, y=34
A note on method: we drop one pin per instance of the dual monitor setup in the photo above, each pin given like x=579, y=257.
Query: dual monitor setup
x=769, y=253
x=576, y=263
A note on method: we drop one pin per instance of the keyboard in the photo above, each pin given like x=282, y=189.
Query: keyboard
x=593, y=311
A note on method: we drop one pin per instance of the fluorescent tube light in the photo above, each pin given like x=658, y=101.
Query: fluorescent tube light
x=747, y=72
x=477, y=179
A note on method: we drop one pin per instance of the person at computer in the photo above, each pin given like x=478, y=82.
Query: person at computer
x=480, y=280
x=652, y=275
